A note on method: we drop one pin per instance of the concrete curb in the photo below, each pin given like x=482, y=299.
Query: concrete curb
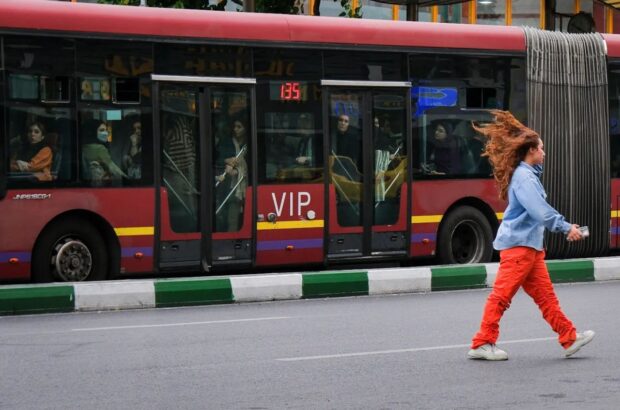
x=136, y=294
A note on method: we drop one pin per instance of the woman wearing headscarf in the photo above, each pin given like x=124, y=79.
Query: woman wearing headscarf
x=34, y=154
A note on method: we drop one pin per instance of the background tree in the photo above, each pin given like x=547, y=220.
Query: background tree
x=262, y=6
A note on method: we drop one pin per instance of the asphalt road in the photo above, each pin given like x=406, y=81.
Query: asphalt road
x=388, y=352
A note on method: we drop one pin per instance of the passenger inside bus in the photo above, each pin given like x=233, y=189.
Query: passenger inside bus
x=98, y=166
x=346, y=171
x=33, y=154
x=231, y=178
x=279, y=143
x=306, y=149
x=347, y=141
x=179, y=171
x=132, y=154
x=447, y=154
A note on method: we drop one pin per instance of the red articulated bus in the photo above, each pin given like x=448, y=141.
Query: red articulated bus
x=145, y=140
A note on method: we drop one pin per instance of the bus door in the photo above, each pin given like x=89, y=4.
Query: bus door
x=206, y=200
x=368, y=169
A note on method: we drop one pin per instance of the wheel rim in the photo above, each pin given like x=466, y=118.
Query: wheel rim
x=72, y=260
x=467, y=242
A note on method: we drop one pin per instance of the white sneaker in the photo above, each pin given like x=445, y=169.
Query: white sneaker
x=488, y=352
x=582, y=340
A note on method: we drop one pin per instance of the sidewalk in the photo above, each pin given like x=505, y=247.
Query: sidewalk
x=151, y=293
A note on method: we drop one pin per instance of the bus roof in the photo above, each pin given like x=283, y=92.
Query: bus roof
x=50, y=16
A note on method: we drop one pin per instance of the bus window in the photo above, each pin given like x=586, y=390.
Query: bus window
x=180, y=149
x=449, y=94
x=346, y=65
x=292, y=147
x=290, y=138
x=203, y=60
x=114, y=112
x=39, y=119
x=111, y=143
x=40, y=140
x=230, y=110
x=389, y=155
x=346, y=156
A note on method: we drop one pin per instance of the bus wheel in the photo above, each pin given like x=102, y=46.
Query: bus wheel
x=465, y=236
x=70, y=251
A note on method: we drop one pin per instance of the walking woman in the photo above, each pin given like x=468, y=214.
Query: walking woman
x=516, y=154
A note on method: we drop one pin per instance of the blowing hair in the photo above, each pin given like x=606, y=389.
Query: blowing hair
x=508, y=142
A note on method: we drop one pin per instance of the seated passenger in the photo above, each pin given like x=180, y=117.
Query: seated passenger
x=448, y=153
x=34, y=155
x=95, y=150
x=132, y=154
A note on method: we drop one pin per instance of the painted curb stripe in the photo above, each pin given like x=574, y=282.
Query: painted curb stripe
x=571, y=271
x=461, y=277
x=266, y=287
x=607, y=268
x=318, y=285
x=192, y=292
x=114, y=295
x=37, y=299
x=407, y=280
x=20, y=299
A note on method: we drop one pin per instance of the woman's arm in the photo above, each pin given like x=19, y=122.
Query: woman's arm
x=41, y=161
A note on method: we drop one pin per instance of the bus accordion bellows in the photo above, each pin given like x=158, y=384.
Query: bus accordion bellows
x=148, y=141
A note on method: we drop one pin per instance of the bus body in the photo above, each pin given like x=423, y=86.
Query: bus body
x=216, y=142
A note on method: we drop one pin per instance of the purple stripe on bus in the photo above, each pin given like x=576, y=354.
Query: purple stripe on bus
x=130, y=252
x=22, y=256
x=418, y=237
x=281, y=245
x=615, y=230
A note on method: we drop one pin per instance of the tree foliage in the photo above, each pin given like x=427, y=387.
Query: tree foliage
x=262, y=6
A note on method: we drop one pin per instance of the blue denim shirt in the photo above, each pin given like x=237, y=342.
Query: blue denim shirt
x=528, y=213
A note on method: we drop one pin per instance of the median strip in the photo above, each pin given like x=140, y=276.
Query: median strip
x=149, y=293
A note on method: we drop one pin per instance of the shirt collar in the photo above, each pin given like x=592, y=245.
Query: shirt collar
x=536, y=169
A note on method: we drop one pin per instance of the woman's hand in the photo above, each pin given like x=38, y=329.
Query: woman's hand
x=23, y=165
x=574, y=234
x=232, y=161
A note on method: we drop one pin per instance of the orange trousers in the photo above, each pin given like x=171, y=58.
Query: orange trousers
x=523, y=266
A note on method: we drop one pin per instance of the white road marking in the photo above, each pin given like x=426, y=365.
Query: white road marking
x=416, y=349
x=210, y=322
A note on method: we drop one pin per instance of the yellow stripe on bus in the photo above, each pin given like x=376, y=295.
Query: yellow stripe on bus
x=426, y=219
x=135, y=231
x=429, y=219
x=614, y=214
x=264, y=226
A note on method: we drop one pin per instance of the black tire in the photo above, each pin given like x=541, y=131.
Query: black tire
x=465, y=236
x=70, y=250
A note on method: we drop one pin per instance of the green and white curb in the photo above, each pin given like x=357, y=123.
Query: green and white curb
x=155, y=293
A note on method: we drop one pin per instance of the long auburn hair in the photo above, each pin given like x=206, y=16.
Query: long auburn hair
x=508, y=142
